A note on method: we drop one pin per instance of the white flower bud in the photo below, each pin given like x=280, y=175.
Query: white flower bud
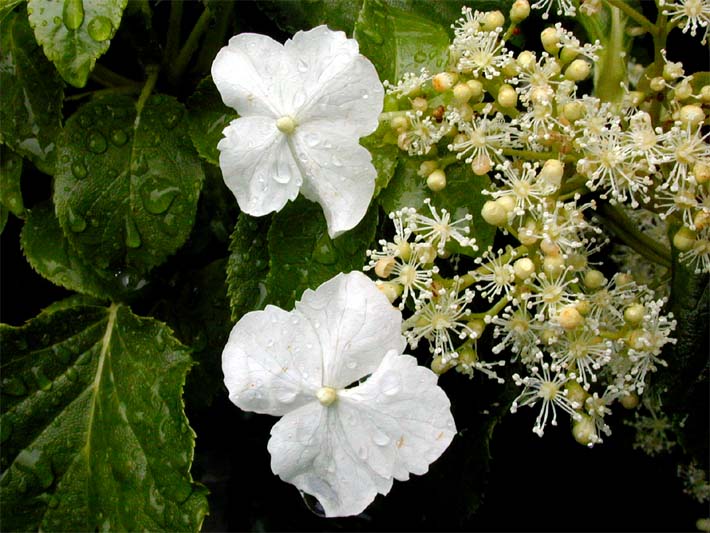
x=549, y=248
x=494, y=213
x=550, y=40
x=326, y=395
x=427, y=167
x=508, y=203
x=701, y=172
x=526, y=233
x=552, y=172
x=705, y=94
x=476, y=88
x=569, y=318
x=404, y=250
x=436, y=181
x=462, y=92
x=439, y=367
x=701, y=220
x=492, y=20
x=578, y=70
x=507, y=97
x=584, y=431
x=420, y=104
x=481, y=165
x=426, y=253
x=391, y=290
x=403, y=141
x=465, y=111
x=573, y=111
x=657, y=84
x=583, y=306
x=286, y=124
x=567, y=55
x=594, y=279
x=519, y=11
x=672, y=71
x=523, y=268
x=553, y=265
x=683, y=91
x=384, y=266
x=575, y=392
x=443, y=81
x=526, y=59
x=684, y=239
x=630, y=401
x=399, y=123
x=633, y=314
x=691, y=115
x=477, y=326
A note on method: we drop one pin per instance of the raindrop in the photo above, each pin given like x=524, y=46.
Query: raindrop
x=352, y=365
x=14, y=386
x=119, y=137
x=390, y=383
x=53, y=502
x=72, y=374
x=57, y=21
x=380, y=438
x=139, y=166
x=42, y=381
x=362, y=453
x=313, y=505
x=336, y=161
x=76, y=223
x=133, y=238
x=100, y=28
x=312, y=139
x=30, y=462
x=302, y=66
x=286, y=396
x=78, y=169
x=97, y=143
x=63, y=353
x=158, y=196
x=73, y=14
x=5, y=430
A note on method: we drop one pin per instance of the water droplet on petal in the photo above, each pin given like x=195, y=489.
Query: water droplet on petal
x=97, y=143
x=78, y=169
x=380, y=438
x=352, y=365
x=302, y=66
x=73, y=14
x=133, y=238
x=390, y=383
x=312, y=139
x=100, y=28
x=286, y=395
x=336, y=161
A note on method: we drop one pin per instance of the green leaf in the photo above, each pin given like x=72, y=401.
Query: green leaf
x=302, y=255
x=6, y=7
x=248, y=265
x=3, y=217
x=206, y=118
x=75, y=33
x=461, y=196
x=31, y=96
x=384, y=158
x=294, y=16
x=48, y=251
x=126, y=188
x=397, y=41
x=10, y=173
x=93, y=429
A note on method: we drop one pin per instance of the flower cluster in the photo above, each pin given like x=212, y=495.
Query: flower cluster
x=570, y=173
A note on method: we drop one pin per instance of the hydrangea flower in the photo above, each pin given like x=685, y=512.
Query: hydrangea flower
x=340, y=439
x=303, y=107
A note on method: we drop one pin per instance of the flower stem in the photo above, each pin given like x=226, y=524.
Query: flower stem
x=493, y=311
x=153, y=72
x=189, y=48
x=173, y=37
x=625, y=229
x=128, y=89
x=633, y=14
x=108, y=78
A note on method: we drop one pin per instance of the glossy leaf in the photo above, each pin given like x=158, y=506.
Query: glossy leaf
x=248, y=265
x=31, y=95
x=397, y=41
x=294, y=16
x=10, y=173
x=75, y=33
x=93, y=429
x=385, y=158
x=461, y=196
x=6, y=7
x=126, y=188
x=302, y=255
x=50, y=254
x=207, y=117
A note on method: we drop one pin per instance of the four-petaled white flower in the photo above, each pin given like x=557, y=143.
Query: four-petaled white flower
x=303, y=107
x=339, y=443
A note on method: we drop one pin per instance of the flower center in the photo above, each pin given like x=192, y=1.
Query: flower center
x=326, y=395
x=286, y=124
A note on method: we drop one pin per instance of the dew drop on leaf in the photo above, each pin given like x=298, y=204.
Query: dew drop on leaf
x=76, y=222
x=71, y=374
x=42, y=381
x=119, y=137
x=73, y=14
x=100, y=28
x=97, y=143
x=133, y=238
x=156, y=198
x=78, y=170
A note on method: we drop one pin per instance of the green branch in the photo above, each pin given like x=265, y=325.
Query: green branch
x=630, y=12
x=189, y=48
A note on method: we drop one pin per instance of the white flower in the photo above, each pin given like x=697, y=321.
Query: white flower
x=303, y=107
x=342, y=445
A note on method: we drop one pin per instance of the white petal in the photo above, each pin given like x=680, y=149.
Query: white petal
x=342, y=86
x=355, y=324
x=258, y=166
x=272, y=362
x=401, y=414
x=338, y=174
x=308, y=449
x=255, y=76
